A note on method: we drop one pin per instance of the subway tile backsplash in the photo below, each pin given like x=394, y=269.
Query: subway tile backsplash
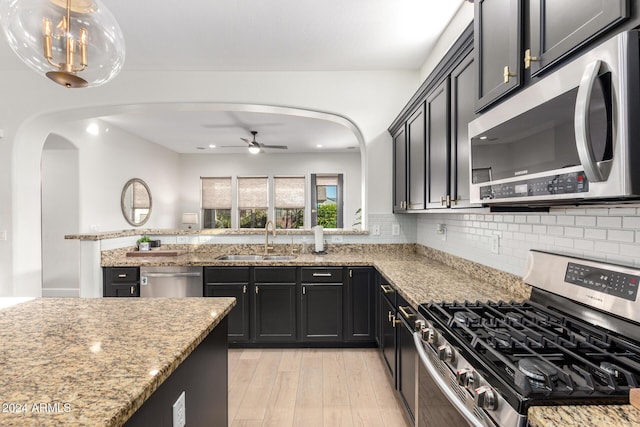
x=610, y=234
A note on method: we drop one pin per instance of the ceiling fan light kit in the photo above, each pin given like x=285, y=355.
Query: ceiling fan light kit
x=255, y=147
x=75, y=43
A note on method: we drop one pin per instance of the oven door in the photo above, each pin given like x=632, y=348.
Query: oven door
x=440, y=402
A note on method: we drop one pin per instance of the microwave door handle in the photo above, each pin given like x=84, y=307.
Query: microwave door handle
x=442, y=385
x=581, y=123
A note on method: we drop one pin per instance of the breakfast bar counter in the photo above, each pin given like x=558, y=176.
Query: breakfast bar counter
x=95, y=362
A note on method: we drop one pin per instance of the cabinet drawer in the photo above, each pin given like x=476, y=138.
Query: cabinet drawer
x=122, y=274
x=321, y=275
x=226, y=274
x=275, y=274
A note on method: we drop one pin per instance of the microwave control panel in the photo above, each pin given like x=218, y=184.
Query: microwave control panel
x=606, y=281
x=568, y=183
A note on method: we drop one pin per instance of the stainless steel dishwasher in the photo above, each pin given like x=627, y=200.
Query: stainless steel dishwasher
x=173, y=282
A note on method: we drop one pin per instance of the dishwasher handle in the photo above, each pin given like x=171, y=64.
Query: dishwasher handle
x=442, y=385
x=193, y=274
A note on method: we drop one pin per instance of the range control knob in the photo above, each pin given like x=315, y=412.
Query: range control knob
x=445, y=353
x=465, y=377
x=486, y=398
x=419, y=325
x=429, y=335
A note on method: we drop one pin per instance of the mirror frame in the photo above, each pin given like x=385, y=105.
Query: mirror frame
x=122, y=206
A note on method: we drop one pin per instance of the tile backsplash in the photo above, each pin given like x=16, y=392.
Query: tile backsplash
x=502, y=240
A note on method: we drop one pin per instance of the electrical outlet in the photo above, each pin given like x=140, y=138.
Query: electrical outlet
x=376, y=230
x=337, y=239
x=183, y=239
x=495, y=244
x=179, y=408
x=395, y=229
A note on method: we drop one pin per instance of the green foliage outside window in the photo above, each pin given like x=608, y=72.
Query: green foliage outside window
x=253, y=218
x=290, y=218
x=328, y=215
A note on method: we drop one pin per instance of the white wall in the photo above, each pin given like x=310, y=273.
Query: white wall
x=60, y=216
x=371, y=100
x=194, y=166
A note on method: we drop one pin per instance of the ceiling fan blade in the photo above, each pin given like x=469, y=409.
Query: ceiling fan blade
x=278, y=147
x=246, y=140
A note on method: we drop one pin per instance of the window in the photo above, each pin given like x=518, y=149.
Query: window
x=216, y=202
x=288, y=199
x=326, y=200
x=253, y=201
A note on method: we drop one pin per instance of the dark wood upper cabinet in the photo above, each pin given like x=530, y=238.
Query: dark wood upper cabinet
x=462, y=112
x=437, y=107
x=416, y=159
x=400, y=170
x=557, y=28
x=497, y=47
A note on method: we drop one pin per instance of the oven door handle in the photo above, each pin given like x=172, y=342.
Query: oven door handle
x=442, y=385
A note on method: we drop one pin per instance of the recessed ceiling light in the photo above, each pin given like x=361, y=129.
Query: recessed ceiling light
x=93, y=129
x=483, y=137
x=319, y=146
x=212, y=145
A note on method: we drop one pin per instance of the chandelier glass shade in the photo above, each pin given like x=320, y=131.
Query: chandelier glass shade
x=76, y=43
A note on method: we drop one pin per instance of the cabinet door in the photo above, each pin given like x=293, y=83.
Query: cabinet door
x=400, y=171
x=321, y=312
x=559, y=27
x=239, y=315
x=416, y=159
x=407, y=365
x=438, y=146
x=388, y=334
x=462, y=112
x=122, y=290
x=274, y=312
x=497, y=46
x=360, y=307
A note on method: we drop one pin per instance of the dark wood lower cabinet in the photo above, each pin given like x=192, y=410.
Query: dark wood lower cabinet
x=239, y=315
x=407, y=365
x=121, y=282
x=274, y=312
x=321, y=312
x=388, y=334
x=360, y=308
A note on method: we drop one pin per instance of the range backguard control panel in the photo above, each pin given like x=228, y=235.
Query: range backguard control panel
x=606, y=281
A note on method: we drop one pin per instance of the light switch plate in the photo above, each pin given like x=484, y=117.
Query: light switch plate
x=376, y=230
x=495, y=244
x=395, y=229
x=337, y=239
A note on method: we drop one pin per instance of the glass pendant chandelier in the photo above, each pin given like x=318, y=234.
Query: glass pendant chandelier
x=76, y=43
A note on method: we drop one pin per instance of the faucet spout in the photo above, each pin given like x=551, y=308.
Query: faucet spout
x=267, y=248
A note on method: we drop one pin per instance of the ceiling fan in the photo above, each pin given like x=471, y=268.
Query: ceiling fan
x=255, y=147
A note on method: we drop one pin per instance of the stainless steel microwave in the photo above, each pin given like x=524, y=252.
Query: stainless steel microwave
x=572, y=137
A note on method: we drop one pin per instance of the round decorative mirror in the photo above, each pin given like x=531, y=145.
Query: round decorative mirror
x=136, y=202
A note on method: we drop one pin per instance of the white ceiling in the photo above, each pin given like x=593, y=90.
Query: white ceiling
x=257, y=35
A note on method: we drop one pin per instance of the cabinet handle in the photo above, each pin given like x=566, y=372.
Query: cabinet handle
x=405, y=313
x=443, y=201
x=304, y=290
x=321, y=274
x=350, y=273
x=256, y=289
x=133, y=291
x=390, y=316
x=448, y=200
x=122, y=276
x=244, y=289
x=528, y=59
x=395, y=321
x=386, y=289
x=506, y=74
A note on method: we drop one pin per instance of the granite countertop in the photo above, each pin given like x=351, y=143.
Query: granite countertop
x=584, y=416
x=93, y=362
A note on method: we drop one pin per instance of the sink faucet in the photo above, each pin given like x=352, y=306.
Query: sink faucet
x=267, y=248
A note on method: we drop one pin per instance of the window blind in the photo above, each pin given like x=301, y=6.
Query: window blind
x=252, y=193
x=216, y=193
x=140, y=196
x=288, y=192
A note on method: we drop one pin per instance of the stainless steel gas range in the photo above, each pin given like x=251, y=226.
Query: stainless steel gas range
x=576, y=341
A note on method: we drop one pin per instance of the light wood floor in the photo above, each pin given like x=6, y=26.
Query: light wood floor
x=311, y=387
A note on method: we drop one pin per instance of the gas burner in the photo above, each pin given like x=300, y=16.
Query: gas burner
x=537, y=370
x=610, y=368
x=467, y=318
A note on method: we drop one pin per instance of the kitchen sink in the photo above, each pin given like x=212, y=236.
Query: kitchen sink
x=241, y=257
x=278, y=257
x=238, y=257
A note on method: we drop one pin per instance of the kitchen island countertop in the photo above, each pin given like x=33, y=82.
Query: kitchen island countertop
x=94, y=362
